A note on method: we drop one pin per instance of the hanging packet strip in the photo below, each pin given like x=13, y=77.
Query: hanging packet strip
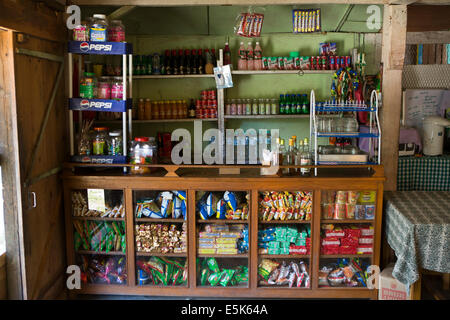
x=230, y=199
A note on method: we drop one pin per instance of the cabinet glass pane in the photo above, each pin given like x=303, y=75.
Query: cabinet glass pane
x=284, y=239
x=160, y=237
x=100, y=235
x=222, y=272
x=347, y=237
x=222, y=238
x=348, y=205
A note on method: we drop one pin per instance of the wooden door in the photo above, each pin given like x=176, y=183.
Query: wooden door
x=41, y=127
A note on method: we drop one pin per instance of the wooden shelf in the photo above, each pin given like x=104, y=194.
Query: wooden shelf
x=160, y=254
x=172, y=76
x=346, y=221
x=261, y=72
x=160, y=220
x=285, y=256
x=97, y=218
x=328, y=256
x=285, y=222
x=155, y=121
x=239, y=255
x=221, y=221
x=103, y=253
x=268, y=117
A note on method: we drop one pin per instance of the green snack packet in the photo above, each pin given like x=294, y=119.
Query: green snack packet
x=226, y=276
x=77, y=240
x=124, y=245
x=212, y=264
x=214, y=278
x=169, y=272
x=204, y=276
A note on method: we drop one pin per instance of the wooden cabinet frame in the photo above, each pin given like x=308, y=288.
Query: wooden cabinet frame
x=238, y=183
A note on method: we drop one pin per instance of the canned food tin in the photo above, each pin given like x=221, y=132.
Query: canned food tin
x=348, y=61
x=331, y=62
x=204, y=94
x=212, y=94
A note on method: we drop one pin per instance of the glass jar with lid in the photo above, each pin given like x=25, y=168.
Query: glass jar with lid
x=88, y=86
x=104, y=88
x=98, y=28
x=115, y=145
x=116, y=31
x=117, y=88
x=99, y=141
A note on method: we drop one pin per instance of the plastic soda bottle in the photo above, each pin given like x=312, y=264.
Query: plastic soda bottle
x=257, y=60
x=305, y=106
x=242, y=57
x=250, y=56
x=288, y=104
x=282, y=104
x=299, y=104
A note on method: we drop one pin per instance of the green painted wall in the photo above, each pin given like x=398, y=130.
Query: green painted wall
x=155, y=29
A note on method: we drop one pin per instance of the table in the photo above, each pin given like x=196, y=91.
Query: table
x=428, y=173
x=418, y=230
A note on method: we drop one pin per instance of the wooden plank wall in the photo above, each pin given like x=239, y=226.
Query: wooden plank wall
x=3, y=293
x=392, y=56
x=9, y=159
x=44, y=225
x=428, y=18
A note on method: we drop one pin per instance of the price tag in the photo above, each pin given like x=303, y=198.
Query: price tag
x=96, y=199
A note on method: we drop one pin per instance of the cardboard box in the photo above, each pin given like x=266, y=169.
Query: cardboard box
x=389, y=287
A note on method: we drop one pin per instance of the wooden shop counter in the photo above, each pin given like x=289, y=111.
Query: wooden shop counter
x=113, y=261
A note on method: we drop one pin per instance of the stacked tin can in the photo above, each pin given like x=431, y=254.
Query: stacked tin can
x=206, y=107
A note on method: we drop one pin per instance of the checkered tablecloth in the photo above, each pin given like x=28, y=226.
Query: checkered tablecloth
x=418, y=230
x=423, y=173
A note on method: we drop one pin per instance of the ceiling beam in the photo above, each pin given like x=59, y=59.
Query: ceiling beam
x=120, y=12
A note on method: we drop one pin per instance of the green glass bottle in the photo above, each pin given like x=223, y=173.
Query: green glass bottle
x=298, y=109
x=305, y=107
x=143, y=65
x=282, y=104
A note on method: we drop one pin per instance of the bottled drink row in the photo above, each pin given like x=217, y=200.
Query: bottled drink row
x=287, y=104
x=176, y=62
x=295, y=155
x=203, y=108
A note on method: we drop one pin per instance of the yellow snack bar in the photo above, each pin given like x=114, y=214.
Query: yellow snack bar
x=230, y=235
x=206, y=251
x=209, y=234
x=226, y=240
x=225, y=245
x=226, y=251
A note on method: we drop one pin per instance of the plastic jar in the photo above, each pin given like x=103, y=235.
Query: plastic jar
x=88, y=86
x=81, y=32
x=115, y=145
x=117, y=89
x=98, y=28
x=116, y=31
x=104, y=88
x=137, y=155
x=99, y=141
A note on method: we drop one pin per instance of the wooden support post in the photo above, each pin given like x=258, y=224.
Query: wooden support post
x=415, y=289
x=392, y=57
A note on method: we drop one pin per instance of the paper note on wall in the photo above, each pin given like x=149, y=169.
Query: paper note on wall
x=422, y=103
x=96, y=199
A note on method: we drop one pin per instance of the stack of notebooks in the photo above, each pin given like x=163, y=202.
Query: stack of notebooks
x=427, y=54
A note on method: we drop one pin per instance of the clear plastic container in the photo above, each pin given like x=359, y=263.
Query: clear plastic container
x=99, y=142
x=115, y=145
x=116, y=31
x=143, y=151
x=248, y=107
x=117, y=88
x=104, y=88
x=88, y=86
x=255, y=106
x=262, y=107
x=98, y=28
